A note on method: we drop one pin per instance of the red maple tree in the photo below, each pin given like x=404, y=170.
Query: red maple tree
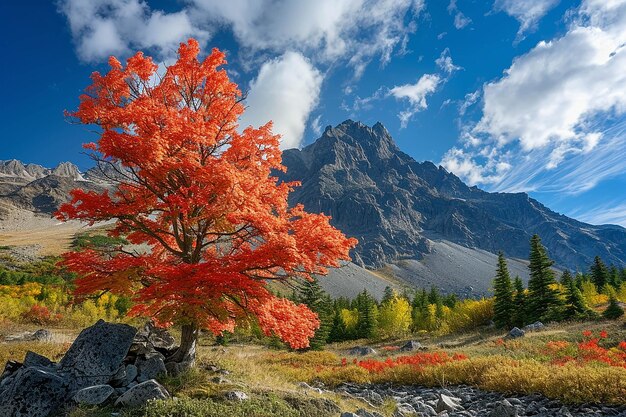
x=201, y=197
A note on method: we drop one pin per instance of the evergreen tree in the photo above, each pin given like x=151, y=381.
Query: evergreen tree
x=599, y=273
x=368, y=311
x=576, y=307
x=566, y=278
x=338, y=330
x=614, y=278
x=503, y=295
x=434, y=297
x=388, y=295
x=543, y=299
x=312, y=294
x=614, y=310
x=519, y=300
x=450, y=300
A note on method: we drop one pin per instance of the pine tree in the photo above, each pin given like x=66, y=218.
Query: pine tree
x=434, y=297
x=543, y=299
x=318, y=301
x=519, y=300
x=614, y=278
x=388, y=295
x=614, y=310
x=599, y=273
x=338, y=331
x=368, y=311
x=566, y=278
x=503, y=295
x=576, y=307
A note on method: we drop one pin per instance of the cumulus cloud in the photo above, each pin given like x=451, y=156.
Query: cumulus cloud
x=559, y=111
x=416, y=95
x=526, y=12
x=285, y=91
x=117, y=27
x=325, y=29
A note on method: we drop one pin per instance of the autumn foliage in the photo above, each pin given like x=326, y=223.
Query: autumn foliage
x=201, y=196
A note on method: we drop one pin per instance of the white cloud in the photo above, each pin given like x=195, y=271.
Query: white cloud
x=526, y=12
x=469, y=101
x=611, y=213
x=460, y=20
x=445, y=62
x=416, y=95
x=117, y=27
x=286, y=90
x=325, y=29
x=316, y=126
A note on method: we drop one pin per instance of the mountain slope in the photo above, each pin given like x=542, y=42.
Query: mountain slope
x=398, y=207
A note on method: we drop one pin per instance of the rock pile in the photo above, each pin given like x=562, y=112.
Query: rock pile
x=464, y=401
x=107, y=363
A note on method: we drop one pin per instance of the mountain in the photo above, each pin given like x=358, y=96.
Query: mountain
x=420, y=223
x=38, y=189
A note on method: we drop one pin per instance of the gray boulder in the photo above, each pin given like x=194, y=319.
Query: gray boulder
x=404, y=410
x=42, y=335
x=150, y=368
x=142, y=393
x=446, y=403
x=362, y=351
x=412, y=345
x=536, y=326
x=95, y=395
x=504, y=409
x=361, y=412
x=33, y=392
x=96, y=354
x=236, y=396
x=124, y=376
x=156, y=337
x=515, y=333
x=35, y=359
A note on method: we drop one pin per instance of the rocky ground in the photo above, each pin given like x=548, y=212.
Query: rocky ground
x=467, y=401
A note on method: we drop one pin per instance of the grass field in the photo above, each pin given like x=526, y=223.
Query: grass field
x=272, y=377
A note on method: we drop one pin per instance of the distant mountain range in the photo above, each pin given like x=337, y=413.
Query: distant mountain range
x=417, y=224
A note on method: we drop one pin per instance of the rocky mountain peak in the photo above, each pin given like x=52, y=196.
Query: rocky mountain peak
x=68, y=169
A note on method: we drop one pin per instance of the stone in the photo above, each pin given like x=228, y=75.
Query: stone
x=156, y=337
x=125, y=376
x=35, y=359
x=33, y=393
x=220, y=380
x=150, y=368
x=96, y=354
x=362, y=351
x=536, y=326
x=412, y=345
x=42, y=335
x=504, y=409
x=348, y=414
x=236, y=396
x=175, y=368
x=515, y=333
x=140, y=394
x=446, y=403
x=404, y=410
x=95, y=395
x=365, y=413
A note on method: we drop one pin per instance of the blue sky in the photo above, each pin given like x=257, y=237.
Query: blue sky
x=511, y=95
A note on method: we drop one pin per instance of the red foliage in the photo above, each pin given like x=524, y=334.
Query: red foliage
x=41, y=315
x=588, y=350
x=202, y=196
x=417, y=360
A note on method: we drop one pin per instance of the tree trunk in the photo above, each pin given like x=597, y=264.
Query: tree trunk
x=186, y=353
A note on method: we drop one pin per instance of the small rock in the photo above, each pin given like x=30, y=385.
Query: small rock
x=404, y=410
x=142, y=393
x=362, y=351
x=236, y=396
x=534, y=327
x=364, y=413
x=174, y=368
x=95, y=395
x=515, y=333
x=220, y=380
x=157, y=337
x=348, y=414
x=504, y=409
x=446, y=403
x=42, y=335
x=125, y=376
x=412, y=345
